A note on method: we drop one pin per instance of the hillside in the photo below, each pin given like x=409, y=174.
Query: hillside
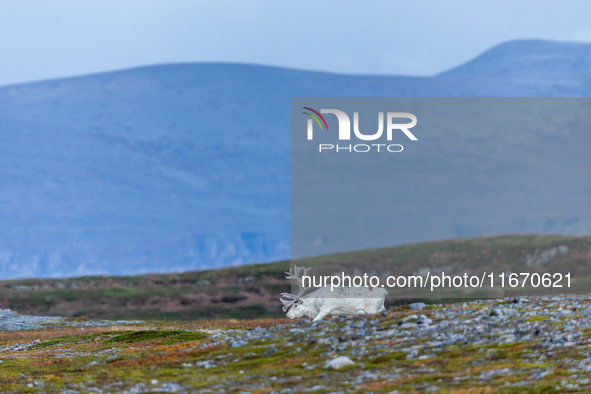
x=180, y=167
x=252, y=291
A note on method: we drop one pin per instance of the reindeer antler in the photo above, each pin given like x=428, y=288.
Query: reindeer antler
x=291, y=298
x=296, y=275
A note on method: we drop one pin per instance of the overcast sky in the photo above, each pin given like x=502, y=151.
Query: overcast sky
x=48, y=39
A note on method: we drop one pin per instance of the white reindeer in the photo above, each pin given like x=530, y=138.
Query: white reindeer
x=323, y=302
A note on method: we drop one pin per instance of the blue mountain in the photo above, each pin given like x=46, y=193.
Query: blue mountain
x=186, y=166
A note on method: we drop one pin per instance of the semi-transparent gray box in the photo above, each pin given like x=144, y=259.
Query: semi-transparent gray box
x=463, y=168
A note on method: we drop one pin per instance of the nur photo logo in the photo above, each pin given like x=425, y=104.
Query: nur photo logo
x=391, y=124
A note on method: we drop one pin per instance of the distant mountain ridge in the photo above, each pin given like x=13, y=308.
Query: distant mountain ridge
x=529, y=68
x=186, y=166
x=517, y=59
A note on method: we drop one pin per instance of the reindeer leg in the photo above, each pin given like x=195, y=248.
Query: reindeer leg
x=321, y=314
x=383, y=309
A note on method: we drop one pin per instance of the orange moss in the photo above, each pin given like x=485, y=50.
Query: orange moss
x=47, y=362
x=162, y=357
x=297, y=360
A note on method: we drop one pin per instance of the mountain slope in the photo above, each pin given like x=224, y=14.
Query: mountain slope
x=527, y=68
x=253, y=291
x=186, y=166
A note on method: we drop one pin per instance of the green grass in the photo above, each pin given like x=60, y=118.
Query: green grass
x=168, y=336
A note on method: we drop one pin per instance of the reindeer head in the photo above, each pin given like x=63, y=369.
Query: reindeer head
x=290, y=300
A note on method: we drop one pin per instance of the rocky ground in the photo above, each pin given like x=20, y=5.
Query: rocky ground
x=10, y=321
x=525, y=345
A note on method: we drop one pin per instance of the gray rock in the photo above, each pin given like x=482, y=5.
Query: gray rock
x=339, y=362
x=270, y=351
x=138, y=388
x=546, y=256
x=496, y=312
x=206, y=364
x=359, y=324
x=170, y=387
x=238, y=343
x=424, y=320
x=412, y=354
x=417, y=306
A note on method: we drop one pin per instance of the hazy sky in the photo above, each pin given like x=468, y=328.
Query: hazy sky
x=47, y=39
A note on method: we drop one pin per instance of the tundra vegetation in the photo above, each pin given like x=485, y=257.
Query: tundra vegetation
x=533, y=344
x=525, y=345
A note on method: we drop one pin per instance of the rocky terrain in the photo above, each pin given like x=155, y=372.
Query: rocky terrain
x=11, y=321
x=519, y=345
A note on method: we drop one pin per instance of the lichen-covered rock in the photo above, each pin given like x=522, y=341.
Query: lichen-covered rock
x=339, y=362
